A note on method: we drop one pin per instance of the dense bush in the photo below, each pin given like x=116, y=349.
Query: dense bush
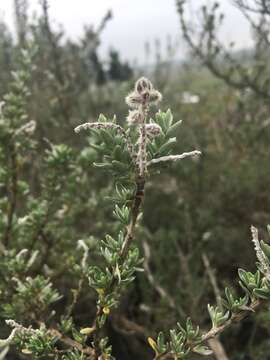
x=56, y=207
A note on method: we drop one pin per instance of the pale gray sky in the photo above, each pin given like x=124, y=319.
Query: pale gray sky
x=134, y=22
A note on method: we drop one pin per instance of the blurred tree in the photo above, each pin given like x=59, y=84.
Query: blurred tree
x=6, y=56
x=118, y=71
x=247, y=70
x=21, y=18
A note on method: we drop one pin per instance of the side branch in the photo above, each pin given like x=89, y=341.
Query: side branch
x=135, y=209
x=174, y=157
x=109, y=125
x=214, y=332
x=236, y=318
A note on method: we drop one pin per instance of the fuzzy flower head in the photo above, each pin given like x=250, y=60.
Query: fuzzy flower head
x=143, y=94
x=134, y=117
x=143, y=86
x=152, y=130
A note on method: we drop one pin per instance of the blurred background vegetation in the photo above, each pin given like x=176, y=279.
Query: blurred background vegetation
x=196, y=221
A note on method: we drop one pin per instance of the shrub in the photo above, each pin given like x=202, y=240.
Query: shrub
x=30, y=293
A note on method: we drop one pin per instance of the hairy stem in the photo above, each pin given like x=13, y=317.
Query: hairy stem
x=142, y=161
x=140, y=183
x=135, y=209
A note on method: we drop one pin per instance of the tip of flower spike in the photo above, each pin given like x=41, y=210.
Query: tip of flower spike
x=143, y=94
x=77, y=129
x=143, y=84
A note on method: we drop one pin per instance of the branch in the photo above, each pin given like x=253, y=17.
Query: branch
x=138, y=198
x=214, y=343
x=210, y=51
x=218, y=349
x=109, y=125
x=236, y=318
x=72, y=343
x=6, y=342
x=214, y=332
x=259, y=6
x=135, y=209
x=128, y=327
x=139, y=100
x=174, y=157
x=20, y=329
x=159, y=289
x=212, y=278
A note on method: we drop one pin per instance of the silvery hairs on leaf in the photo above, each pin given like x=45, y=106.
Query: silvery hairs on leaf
x=17, y=329
x=259, y=253
x=134, y=117
x=20, y=328
x=108, y=125
x=152, y=130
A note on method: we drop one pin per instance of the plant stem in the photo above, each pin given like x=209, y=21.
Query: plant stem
x=235, y=318
x=72, y=343
x=135, y=209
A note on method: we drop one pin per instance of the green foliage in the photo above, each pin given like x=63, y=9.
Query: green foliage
x=63, y=223
x=218, y=317
x=73, y=355
x=38, y=344
x=127, y=154
x=249, y=281
x=234, y=304
x=31, y=296
x=124, y=153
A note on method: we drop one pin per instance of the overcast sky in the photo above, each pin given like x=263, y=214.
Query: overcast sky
x=134, y=22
